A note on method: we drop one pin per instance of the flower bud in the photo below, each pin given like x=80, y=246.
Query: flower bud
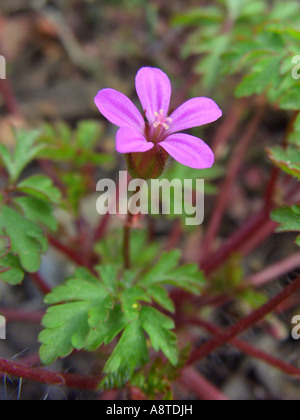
x=147, y=165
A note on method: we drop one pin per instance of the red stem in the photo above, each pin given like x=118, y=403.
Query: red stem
x=41, y=283
x=102, y=227
x=215, y=260
x=196, y=383
x=17, y=315
x=227, y=127
x=48, y=377
x=226, y=189
x=258, y=237
x=255, y=280
x=175, y=236
x=248, y=349
x=9, y=97
x=70, y=253
x=246, y=323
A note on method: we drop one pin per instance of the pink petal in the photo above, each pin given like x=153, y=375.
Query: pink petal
x=194, y=113
x=189, y=151
x=130, y=140
x=154, y=91
x=118, y=109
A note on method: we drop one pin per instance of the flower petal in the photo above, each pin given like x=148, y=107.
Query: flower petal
x=119, y=109
x=154, y=91
x=130, y=140
x=189, y=151
x=194, y=113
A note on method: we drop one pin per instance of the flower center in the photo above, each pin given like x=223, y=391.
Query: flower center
x=162, y=120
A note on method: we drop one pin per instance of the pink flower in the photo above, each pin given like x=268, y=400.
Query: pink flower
x=161, y=130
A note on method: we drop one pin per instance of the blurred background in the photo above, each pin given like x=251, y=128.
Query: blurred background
x=59, y=54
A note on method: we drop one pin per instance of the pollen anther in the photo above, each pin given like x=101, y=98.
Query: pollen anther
x=162, y=120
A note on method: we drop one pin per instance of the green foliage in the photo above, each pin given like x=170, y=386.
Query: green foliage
x=87, y=312
x=249, y=39
x=156, y=382
x=142, y=251
x=288, y=158
x=166, y=271
x=288, y=219
x=26, y=209
x=25, y=151
x=158, y=327
x=69, y=324
x=178, y=171
x=27, y=239
x=4, y=246
x=294, y=135
x=41, y=187
x=188, y=177
x=75, y=146
x=4, y=250
x=130, y=352
x=73, y=153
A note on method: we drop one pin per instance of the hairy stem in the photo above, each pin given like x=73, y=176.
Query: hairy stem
x=246, y=323
x=126, y=242
x=48, y=377
x=248, y=349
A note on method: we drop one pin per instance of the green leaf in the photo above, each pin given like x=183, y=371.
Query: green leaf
x=130, y=353
x=285, y=10
x=158, y=328
x=41, y=187
x=12, y=271
x=99, y=314
x=109, y=277
x=88, y=134
x=82, y=305
x=66, y=328
x=253, y=298
x=166, y=271
x=25, y=151
x=107, y=331
x=288, y=218
x=27, y=239
x=266, y=73
x=198, y=16
x=235, y=8
x=287, y=159
x=160, y=296
x=252, y=8
x=75, y=147
x=291, y=100
x=4, y=246
x=130, y=301
x=37, y=211
x=83, y=286
x=160, y=272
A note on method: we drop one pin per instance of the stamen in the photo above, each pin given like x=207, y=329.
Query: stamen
x=162, y=120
